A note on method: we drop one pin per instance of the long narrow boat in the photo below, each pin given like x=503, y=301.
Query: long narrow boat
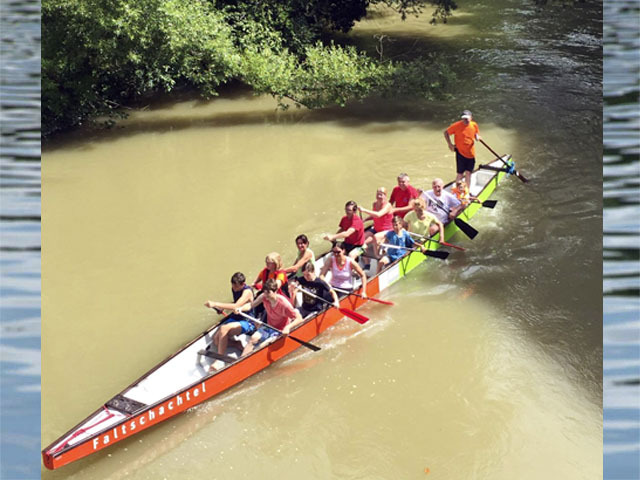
x=182, y=380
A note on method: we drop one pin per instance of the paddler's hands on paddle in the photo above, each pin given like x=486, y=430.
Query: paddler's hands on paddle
x=213, y=305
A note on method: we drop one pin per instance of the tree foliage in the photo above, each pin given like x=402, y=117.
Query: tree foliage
x=100, y=54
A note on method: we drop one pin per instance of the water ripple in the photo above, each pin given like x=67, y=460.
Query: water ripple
x=20, y=239
x=621, y=241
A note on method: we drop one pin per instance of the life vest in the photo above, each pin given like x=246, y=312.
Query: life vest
x=266, y=275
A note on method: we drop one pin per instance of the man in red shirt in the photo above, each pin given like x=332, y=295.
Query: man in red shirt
x=351, y=231
x=465, y=132
x=402, y=195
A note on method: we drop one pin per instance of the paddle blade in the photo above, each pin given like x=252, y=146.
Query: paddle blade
x=467, y=229
x=384, y=302
x=521, y=177
x=354, y=315
x=436, y=254
x=310, y=346
x=489, y=203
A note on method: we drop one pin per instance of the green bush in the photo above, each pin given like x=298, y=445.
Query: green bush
x=98, y=55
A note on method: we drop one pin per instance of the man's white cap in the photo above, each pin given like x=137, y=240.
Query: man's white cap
x=466, y=114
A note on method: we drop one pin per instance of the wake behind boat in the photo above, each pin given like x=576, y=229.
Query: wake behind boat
x=183, y=379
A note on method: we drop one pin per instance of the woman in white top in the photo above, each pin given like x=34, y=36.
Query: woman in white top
x=341, y=267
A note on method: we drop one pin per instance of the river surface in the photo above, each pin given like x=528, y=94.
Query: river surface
x=488, y=366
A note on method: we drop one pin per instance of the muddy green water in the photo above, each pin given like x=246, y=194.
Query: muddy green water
x=489, y=365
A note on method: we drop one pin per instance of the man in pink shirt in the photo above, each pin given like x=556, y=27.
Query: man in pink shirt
x=280, y=315
x=402, y=195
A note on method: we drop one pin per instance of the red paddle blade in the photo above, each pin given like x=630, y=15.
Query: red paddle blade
x=384, y=302
x=354, y=315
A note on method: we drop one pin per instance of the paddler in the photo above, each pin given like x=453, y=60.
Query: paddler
x=280, y=314
x=382, y=215
x=350, y=231
x=273, y=269
x=465, y=132
x=316, y=286
x=305, y=254
x=461, y=191
x=400, y=238
x=342, y=269
x=235, y=324
x=422, y=222
x=442, y=204
x=402, y=194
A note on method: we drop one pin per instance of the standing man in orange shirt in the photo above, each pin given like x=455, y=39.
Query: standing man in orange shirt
x=465, y=132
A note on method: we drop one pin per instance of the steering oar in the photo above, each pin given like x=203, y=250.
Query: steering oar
x=518, y=174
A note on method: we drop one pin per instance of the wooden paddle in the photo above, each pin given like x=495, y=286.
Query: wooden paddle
x=428, y=253
x=518, y=174
x=441, y=242
x=385, y=302
x=345, y=311
x=310, y=346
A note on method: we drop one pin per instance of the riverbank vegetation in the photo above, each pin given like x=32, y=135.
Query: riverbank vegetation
x=99, y=55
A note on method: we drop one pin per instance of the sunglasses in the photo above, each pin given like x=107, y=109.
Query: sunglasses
x=336, y=252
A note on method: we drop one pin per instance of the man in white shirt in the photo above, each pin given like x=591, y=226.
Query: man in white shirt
x=442, y=204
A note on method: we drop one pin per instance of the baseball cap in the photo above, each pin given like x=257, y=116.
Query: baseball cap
x=466, y=114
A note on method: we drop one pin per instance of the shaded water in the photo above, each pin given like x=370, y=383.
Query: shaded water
x=19, y=239
x=489, y=365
